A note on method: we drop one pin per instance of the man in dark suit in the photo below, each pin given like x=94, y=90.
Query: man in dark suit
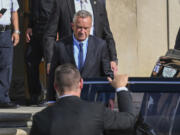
x=39, y=14
x=72, y=116
x=93, y=50
x=177, y=44
x=62, y=16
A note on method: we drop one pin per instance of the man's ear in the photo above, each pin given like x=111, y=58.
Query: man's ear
x=81, y=83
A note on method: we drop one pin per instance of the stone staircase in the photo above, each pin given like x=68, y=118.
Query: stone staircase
x=17, y=121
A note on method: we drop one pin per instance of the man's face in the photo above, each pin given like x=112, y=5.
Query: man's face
x=82, y=28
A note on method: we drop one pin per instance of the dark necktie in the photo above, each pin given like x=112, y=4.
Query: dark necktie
x=80, y=56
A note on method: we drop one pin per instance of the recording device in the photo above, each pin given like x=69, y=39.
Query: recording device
x=3, y=10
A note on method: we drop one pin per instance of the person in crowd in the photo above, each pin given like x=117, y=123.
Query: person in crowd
x=61, y=18
x=39, y=14
x=177, y=44
x=8, y=39
x=88, y=53
x=72, y=116
x=60, y=21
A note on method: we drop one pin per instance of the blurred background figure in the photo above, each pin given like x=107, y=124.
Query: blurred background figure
x=61, y=19
x=39, y=14
x=8, y=38
x=88, y=53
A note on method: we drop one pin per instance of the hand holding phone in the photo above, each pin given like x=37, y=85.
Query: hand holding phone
x=3, y=10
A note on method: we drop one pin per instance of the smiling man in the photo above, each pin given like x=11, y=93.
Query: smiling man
x=88, y=53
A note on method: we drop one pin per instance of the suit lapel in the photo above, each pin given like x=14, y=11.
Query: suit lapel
x=70, y=50
x=94, y=8
x=71, y=7
x=89, y=54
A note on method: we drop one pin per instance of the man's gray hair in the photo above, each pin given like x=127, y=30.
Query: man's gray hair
x=81, y=14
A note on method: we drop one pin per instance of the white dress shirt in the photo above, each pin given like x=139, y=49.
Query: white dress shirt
x=11, y=6
x=85, y=5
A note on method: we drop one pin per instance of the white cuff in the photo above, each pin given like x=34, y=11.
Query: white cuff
x=121, y=89
x=51, y=102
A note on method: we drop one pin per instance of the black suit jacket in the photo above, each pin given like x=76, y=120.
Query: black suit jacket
x=39, y=14
x=177, y=44
x=61, y=19
x=97, y=62
x=73, y=116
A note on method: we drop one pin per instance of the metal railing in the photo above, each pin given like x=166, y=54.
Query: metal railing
x=138, y=84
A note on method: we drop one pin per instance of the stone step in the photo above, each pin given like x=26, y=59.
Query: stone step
x=9, y=117
x=17, y=121
x=15, y=124
x=15, y=131
x=11, y=120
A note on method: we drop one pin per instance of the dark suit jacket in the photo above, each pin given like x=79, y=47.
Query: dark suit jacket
x=96, y=64
x=61, y=19
x=177, y=45
x=39, y=14
x=73, y=116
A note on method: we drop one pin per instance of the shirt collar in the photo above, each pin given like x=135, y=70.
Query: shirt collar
x=76, y=42
x=80, y=0
x=67, y=95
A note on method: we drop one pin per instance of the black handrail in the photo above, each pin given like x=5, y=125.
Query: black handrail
x=138, y=84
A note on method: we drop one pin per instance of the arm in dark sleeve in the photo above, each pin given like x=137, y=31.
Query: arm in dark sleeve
x=30, y=24
x=108, y=36
x=177, y=44
x=51, y=32
x=40, y=124
x=35, y=130
x=51, y=93
x=46, y=7
x=30, y=15
x=125, y=102
x=121, y=120
x=106, y=62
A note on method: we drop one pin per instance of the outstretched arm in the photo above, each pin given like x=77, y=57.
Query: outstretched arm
x=125, y=118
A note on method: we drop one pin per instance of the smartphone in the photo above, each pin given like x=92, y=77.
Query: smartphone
x=3, y=10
